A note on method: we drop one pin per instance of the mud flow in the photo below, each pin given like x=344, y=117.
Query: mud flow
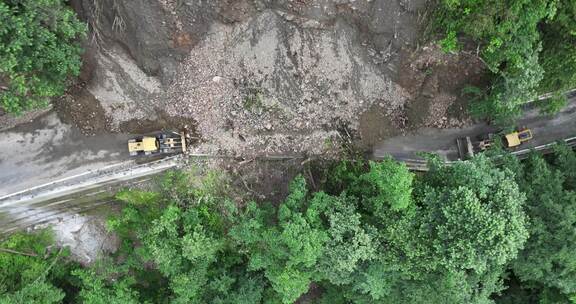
x=265, y=77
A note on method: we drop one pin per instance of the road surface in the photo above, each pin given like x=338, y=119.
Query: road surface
x=41, y=152
x=46, y=149
x=545, y=129
x=49, y=170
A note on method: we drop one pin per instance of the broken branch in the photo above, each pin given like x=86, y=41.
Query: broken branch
x=18, y=252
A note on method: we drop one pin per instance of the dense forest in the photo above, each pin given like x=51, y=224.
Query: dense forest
x=528, y=46
x=39, y=52
x=474, y=232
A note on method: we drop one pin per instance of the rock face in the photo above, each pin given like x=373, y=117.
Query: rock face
x=86, y=237
x=272, y=76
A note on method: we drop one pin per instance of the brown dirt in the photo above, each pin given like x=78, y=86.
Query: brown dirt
x=80, y=108
x=260, y=180
x=312, y=296
x=231, y=11
x=264, y=180
x=375, y=126
x=88, y=62
x=435, y=81
x=8, y=121
x=164, y=122
x=183, y=41
x=383, y=34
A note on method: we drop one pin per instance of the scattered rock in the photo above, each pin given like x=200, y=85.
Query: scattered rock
x=86, y=237
x=298, y=69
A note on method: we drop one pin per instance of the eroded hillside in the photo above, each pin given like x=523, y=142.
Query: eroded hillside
x=266, y=76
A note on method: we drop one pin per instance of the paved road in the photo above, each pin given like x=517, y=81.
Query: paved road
x=546, y=129
x=46, y=149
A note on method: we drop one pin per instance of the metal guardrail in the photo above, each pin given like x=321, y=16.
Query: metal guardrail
x=568, y=94
x=422, y=165
x=92, y=178
x=571, y=142
x=74, y=194
x=125, y=170
x=120, y=171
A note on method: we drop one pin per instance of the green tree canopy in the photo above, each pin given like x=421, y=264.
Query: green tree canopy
x=38, y=52
x=450, y=245
x=529, y=46
x=28, y=271
x=286, y=248
x=463, y=234
x=549, y=258
x=181, y=230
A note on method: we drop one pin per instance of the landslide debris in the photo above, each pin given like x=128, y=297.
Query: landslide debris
x=264, y=77
x=271, y=86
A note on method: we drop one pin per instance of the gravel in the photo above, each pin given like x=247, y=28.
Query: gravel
x=267, y=74
x=86, y=237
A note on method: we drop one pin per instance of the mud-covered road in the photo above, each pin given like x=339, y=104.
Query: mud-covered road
x=546, y=129
x=46, y=150
x=43, y=161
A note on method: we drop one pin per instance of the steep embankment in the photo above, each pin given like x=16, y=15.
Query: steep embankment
x=265, y=76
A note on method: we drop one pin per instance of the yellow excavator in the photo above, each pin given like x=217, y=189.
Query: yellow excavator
x=161, y=143
x=467, y=148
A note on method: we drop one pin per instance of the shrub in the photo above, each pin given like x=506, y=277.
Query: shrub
x=450, y=43
x=528, y=46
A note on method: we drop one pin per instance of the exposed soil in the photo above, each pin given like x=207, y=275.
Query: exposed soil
x=162, y=122
x=312, y=296
x=375, y=126
x=266, y=77
x=258, y=179
x=435, y=81
x=81, y=108
x=8, y=121
x=78, y=106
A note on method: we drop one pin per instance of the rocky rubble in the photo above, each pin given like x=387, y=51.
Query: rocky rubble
x=85, y=236
x=268, y=85
x=262, y=76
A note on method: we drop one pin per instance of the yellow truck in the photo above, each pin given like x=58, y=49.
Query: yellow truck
x=161, y=143
x=467, y=148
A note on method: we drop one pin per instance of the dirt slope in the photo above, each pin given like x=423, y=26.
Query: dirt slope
x=275, y=76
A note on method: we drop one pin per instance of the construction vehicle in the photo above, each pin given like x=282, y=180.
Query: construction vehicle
x=161, y=143
x=467, y=148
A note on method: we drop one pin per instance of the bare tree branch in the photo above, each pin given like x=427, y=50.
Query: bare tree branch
x=18, y=252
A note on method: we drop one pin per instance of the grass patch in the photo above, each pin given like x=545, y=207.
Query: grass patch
x=253, y=101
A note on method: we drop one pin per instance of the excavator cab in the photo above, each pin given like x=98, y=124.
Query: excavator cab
x=162, y=143
x=144, y=145
x=515, y=139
